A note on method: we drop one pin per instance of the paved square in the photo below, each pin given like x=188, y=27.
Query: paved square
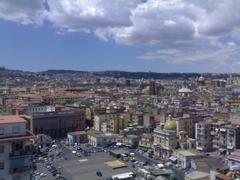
x=85, y=168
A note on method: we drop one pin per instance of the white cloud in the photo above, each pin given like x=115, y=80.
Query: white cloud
x=158, y=22
x=185, y=30
x=223, y=18
x=90, y=15
x=22, y=11
x=131, y=22
x=192, y=55
x=169, y=23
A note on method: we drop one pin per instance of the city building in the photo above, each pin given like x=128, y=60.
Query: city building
x=203, y=136
x=100, y=139
x=229, y=138
x=77, y=137
x=56, y=124
x=184, y=157
x=184, y=92
x=115, y=125
x=131, y=141
x=186, y=124
x=109, y=122
x=16, y=148
x=146, y=141
x=165, y=139
x=39, y=108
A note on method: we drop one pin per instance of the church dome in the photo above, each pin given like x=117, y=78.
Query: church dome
x=201, y=78
x=184, y=90
x=170, y=125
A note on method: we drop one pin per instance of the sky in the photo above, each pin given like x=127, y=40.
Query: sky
x=129, y=35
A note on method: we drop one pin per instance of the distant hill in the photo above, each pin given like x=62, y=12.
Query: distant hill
x=4, y=72
x=125, y=74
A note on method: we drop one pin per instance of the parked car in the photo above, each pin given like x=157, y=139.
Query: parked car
x=99, y=174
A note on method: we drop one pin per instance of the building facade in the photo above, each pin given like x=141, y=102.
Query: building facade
x=165, y=139
x=203, y=136
x=56, y=124
x=15, y=149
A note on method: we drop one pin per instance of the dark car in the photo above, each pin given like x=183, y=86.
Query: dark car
x=99, y=173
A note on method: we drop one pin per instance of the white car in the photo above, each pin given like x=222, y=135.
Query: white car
x=168, y=164
x=178, y=165
x=160, y=166
x=43, y=175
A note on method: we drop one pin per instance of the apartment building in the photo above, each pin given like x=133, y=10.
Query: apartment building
x=216, y=133
x=229, y=138
x=15, y=149
x=186, y=124
x=203, y=136
x=109, y=122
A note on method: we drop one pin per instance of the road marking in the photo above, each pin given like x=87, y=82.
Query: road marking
x=83, y=160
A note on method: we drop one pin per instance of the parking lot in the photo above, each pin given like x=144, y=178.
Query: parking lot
x=75, y=170
x=83, y=161
x=72, y=167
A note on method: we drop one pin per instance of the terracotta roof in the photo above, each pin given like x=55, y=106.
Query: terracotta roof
x=11, y=119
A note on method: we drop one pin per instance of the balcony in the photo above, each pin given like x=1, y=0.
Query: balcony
x=20, y=169
x=20, y=154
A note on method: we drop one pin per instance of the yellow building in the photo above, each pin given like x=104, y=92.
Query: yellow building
x=127, y=118
x=115, y=125
x=233, y=102
x=89, y=113
x=146, y=141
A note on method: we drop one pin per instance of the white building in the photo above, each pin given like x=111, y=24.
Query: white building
x=15, y=149
x=99, y=139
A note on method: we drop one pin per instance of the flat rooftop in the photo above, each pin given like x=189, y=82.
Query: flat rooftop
x=75, y=133
x=189, y=152
x=197, y=175
x=12, y=119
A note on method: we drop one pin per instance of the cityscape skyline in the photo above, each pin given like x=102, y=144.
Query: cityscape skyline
x=153, y=35
x=120, y=89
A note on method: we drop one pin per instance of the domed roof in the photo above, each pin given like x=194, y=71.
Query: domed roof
x=201, y=78
x=170, y=125
x=184, y=90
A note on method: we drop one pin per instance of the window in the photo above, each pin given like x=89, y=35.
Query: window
x=1, y=149
x=1, y=165
x=1, y=130
x=16, y=129
x=16, y=177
